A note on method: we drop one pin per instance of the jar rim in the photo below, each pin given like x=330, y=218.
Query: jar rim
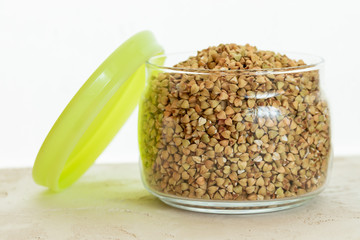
x=313, y=63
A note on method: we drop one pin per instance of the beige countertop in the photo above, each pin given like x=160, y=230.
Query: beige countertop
x=109, y=202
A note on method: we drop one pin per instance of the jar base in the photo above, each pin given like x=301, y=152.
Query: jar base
x=235, y=207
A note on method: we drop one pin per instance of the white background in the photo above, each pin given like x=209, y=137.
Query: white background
x=49, y=48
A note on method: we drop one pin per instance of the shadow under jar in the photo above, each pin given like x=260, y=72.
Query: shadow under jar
x=234, y=141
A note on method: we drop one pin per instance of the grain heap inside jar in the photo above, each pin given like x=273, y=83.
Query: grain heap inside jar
x=227, y=129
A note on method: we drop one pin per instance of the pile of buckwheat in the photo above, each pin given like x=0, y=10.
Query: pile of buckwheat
x=243, y=134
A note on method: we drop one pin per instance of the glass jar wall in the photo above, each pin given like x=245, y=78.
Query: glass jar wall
x=227, y=141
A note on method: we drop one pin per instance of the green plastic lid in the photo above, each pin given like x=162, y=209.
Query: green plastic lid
x=95, y=114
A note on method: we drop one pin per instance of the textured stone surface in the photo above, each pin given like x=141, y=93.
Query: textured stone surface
x=109, y=202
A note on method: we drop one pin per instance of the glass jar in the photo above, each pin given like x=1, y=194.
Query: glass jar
x=234, y=141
